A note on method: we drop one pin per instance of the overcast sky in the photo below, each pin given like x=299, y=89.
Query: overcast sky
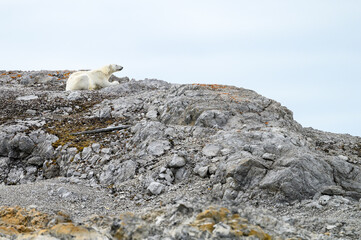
x=306, y=54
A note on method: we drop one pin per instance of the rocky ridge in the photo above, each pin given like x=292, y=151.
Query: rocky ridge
x=168, y=161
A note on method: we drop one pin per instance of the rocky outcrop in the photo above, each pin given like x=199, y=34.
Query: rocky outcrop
x=221, y=144
x=180, y=222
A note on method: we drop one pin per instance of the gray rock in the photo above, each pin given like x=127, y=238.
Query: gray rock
x=96, y=147
x=332, y=190
x=20, y=146
x=44, y=148
x=177, y=162
x=221, y=230
x=4, y=144
x=45, y=79
x=230, y=194
x=26, y=144
x=31, y=172
x=323, y=200
x=90, y=175
x=217, y=190
x=105, y=151
x=156, y=188
x=168, y=176
x=347, y=175
x=31, y=112
x=105, y=112
x=181, y=174
x=152, y=114
x=66, y=194
x=212, y=169
x=27, y=98
x=12, y=129
x=119, y=174
x=302, y=177
x=74, y=95
x=248, y=173
x=337, y=201
x=344, y=158
x=27, y=80
x=4, y=167
x=94, y=159
x=15, y=176
x=125, y=172
x=107, y=175
x=212, y=118
x=86, y=153
x=211, y=150
x=36, y=160
x=202, y=171
x=61, y=191
x=269, y=156
x=50, y=169
x=158, y=147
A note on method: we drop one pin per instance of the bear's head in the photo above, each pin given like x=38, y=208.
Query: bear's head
x=111, y=68
x=115, y=67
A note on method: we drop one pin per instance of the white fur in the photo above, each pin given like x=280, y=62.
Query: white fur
x=94, y=79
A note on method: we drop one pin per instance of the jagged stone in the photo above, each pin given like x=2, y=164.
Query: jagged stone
x=158, y=147
x=152, y=114
x=211, y=150
x=177, y=162
x=181, y=174
x=15, y=176
x=4, y=168
x=202, y=171
x=74, y=95
x=50, y=169
x=323, y=200
x=156, y=188
x=27, y=98
x=269, y=156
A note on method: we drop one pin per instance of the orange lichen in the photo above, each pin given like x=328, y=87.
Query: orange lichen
x=68, y=229
x=15, y=220
x=219, y=88
x=29, y=224
x=207, y=220
x=211, y=86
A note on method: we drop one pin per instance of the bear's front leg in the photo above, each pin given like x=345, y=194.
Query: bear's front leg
x=92, y=85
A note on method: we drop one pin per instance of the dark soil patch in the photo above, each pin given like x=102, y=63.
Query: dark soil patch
x=65, y=128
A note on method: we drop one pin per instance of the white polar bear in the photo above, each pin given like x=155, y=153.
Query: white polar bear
x=94, y=79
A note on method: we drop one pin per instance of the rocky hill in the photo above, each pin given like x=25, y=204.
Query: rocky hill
x=152, y=160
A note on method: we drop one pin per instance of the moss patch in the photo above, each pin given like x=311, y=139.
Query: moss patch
x=66, y=127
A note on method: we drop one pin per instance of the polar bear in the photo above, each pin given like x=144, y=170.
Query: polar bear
x=94, y=79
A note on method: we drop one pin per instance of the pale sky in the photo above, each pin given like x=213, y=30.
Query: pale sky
x=306, y=54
